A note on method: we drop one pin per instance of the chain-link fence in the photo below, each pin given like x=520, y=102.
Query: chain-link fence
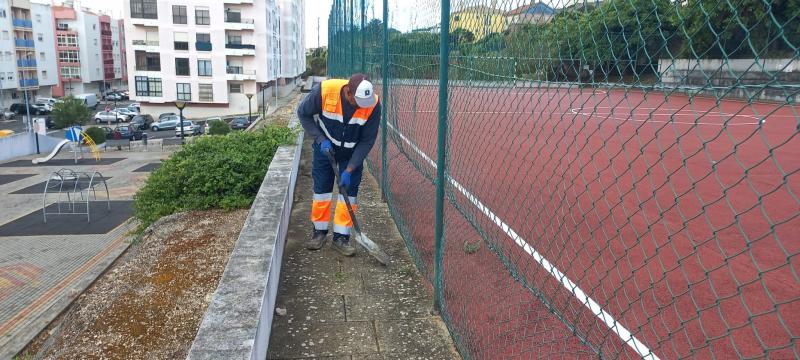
x=613, y=179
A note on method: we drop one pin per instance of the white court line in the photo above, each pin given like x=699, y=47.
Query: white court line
x=628, y=118
x=615, y=326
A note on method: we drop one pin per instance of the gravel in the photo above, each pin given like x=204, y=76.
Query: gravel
x=149, y=304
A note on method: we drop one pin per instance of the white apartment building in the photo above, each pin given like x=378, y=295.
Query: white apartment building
x=27, y=51
x=207, y=53
x=90, y=49
x=293, y=40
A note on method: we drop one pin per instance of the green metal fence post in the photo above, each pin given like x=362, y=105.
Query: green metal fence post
x=363, y=37
x=384, y=99
x=441, y=147
x=352, y=47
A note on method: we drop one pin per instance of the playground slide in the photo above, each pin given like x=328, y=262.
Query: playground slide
x=53, y=153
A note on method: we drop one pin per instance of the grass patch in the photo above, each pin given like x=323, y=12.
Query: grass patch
x=212, y=172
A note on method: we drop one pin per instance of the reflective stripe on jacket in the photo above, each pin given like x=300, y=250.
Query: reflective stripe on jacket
x=332, y=120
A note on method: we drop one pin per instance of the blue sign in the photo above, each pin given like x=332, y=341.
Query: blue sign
x=74, y=134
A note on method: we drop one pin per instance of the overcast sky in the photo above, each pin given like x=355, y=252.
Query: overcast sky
x=403, y=15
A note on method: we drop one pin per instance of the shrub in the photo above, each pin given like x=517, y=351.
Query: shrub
x=97, y=134
x=212, y=172
x=70, y=111
x=218, y=127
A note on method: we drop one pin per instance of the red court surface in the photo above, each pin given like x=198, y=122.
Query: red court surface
x=615, y=223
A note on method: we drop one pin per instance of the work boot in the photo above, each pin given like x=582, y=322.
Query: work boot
x=318, y=240
x=341, y=243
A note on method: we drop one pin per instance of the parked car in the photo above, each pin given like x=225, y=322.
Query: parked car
x=142, y=122
x=41, y=108
x=21, y=109
x=44, y=105
x=125, y=111
x=189, y=129
x=239, y=123
x=134, y=107
x=165, y=115
x=125, y=95
x=106, y=116
x=126, y=132
x=109, y=131
x=113, y=97
x=89, y=100
x=7, y=114
x=49, y=101
x=165, y=123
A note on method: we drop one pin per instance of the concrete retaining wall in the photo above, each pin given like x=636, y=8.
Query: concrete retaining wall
x=762, y=79
x=24, y=144
x=238, y=321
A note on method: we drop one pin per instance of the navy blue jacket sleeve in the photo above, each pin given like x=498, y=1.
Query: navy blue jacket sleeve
x=310, y=106
x=367, y=139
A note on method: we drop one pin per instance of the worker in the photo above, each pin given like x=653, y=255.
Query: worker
x=342, y=119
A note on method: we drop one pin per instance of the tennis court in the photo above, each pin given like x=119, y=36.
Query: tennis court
x=649, y=222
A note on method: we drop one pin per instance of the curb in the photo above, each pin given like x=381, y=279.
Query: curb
x=238, y=321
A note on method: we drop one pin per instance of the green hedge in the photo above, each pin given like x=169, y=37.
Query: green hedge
x=212, y=172
x=97, y=134
x=218, y=127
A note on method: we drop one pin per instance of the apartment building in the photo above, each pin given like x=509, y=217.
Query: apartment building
x=91, y=56
x=293, y=40
x=27, y=52
x=209, y=54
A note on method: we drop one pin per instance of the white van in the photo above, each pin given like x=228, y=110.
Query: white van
x=89, y=100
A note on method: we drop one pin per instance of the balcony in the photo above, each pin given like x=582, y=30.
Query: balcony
x=240, y=49
x=203, y=46
x=237, y=73
x=29, y=63
x=23, y=43
x=105, y=32
x=28, y=83
x=22, y=23
x=146, y=45
x=141, y=21
x=234, y=21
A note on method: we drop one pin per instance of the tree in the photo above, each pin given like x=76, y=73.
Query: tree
x=70, y=111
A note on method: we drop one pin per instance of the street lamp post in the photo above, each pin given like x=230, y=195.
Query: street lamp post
x=180, y=105
x=249, y=107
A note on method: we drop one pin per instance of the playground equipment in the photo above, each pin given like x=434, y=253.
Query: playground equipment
x=79, y=188
x=75, y=136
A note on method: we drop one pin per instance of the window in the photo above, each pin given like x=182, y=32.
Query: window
x=40, y=37
x=206, y=92
x=41, y=55
x=38, y=17
x=181, y=41
x=67, y=40
x=234, y=38
x=179, y=14
x=69, y=72
x=236, y=88
x=184, y=92
x=144, y=9
x=68, y=56
x=44, y=74
x=201, y=16
x=182, y=66
x=203, y=67
x=202, y=37
x=147, y=86
x=148, y=61
x=3, y=13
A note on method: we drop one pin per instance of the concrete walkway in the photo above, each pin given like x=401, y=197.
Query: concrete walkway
x=43, y=267
x=353, y=308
